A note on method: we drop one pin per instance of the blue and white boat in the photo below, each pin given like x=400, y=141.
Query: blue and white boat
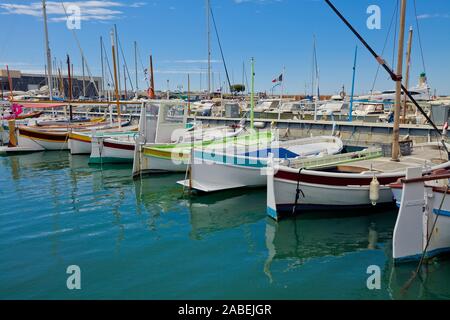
x=239, y=167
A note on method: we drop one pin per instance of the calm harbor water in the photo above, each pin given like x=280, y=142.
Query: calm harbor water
x=143, y=240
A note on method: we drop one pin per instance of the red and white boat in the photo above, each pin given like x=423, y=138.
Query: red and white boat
x=343, y=182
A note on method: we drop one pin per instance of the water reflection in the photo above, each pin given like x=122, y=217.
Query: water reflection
x=431, y=283
x=69, y=207
x=157, y=195
x=20, y=164
x=318, y=235
x=225, y=210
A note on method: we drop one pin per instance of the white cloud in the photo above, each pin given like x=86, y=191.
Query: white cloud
x=90, y=10
x=256, y=1
x=192, y=61
x=434, y=15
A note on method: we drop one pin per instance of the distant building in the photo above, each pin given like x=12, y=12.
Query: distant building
x=26, y=82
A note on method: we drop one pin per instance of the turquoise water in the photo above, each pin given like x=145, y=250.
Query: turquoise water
x=143, y=240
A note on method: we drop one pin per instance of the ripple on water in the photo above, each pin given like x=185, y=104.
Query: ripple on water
x=140, y=239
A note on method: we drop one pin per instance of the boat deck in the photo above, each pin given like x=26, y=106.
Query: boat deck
x=430, y=154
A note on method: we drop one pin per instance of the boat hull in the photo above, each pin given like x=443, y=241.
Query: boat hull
x=80, y=144
x=111, y=151
x=329, y=191
x=212, y=176
x=42, y=140
x=157, y=160
x=422, y=228
x=215, y=171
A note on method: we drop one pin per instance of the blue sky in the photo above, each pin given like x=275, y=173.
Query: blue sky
x=278, y=33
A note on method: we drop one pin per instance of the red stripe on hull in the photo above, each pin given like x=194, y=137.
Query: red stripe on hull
x=337, y=181
x=62, y=137
x=118, y=146
x=333, y=181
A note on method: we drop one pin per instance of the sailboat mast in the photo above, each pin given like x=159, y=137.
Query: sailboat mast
x=398, y=89
x=208, y=5
x=47, y=51
x=252, y=97
x=84, y=84
x=282, y=92
x=10, y=84
x=408, y=65
x=103, y=66
x=113, y=49
x=189, y=93
x=70, y=88
x=117, y=57
x=152, y=80
x=350, y=113
x=125, y=81
x=136, y=67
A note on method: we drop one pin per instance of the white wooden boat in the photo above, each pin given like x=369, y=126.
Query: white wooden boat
x=176, y=157
x=164, y=142
x=344, y=181
x=423, y=223
x=118, y=149
x=238, y=168
x=80, y=142
x=54, y=137
x=158, y=122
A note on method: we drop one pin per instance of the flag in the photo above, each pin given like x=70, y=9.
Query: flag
x=279, y=79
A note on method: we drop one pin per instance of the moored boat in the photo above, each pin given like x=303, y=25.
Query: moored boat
x=245, y=167
x=422, y=229
x=80, y=142
x=113, y=149
x=177, y=157
x=38, y=139
x=345, y=181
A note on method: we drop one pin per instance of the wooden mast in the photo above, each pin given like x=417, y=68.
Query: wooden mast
x=398, y=89
x=70, y=88
x=408, y=65
x=11, y=97
x=115, y=78
x=152, y=82
x=189, y=94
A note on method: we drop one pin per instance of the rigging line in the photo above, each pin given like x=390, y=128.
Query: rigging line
x=394, y=77
x=107, y=64
x=126, y=65
x=246, y=78
x=81, y=51
x=395, y=34
x=384, y=48
x=220, y=47
x=421, y=47
x=142, y=66
x=420, y=38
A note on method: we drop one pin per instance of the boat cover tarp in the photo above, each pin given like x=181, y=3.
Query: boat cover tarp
x=38, y=105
